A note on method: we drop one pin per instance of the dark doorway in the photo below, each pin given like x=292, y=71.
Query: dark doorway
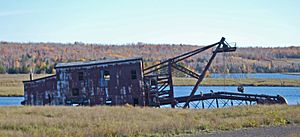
x=135, y=101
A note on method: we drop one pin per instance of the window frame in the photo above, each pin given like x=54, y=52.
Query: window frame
x=77, y=92
x=80, y=76
x=133, y=74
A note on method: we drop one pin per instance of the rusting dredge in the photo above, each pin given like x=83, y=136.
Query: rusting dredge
x=117, y=82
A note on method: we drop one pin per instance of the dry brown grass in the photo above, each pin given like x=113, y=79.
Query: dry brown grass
x=135, y=121
x=11, y=84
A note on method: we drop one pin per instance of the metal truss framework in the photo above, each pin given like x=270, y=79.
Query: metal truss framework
x=159, y=84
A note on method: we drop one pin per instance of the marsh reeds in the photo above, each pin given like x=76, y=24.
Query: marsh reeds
x=136, y=121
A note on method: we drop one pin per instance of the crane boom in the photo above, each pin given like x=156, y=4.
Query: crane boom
x=157, y=81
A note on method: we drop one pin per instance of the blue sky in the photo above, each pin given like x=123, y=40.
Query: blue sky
x=249, y=23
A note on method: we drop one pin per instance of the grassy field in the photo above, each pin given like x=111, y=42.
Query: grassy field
x=135, y=121
x=11, y=84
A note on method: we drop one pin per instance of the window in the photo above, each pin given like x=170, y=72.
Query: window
x=133, y=74
x=75, y=92
x=80, y=76
x=106, y=75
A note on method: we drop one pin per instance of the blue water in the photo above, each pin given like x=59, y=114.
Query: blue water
x=255, y=75
x=292, y=94
x=11, y=101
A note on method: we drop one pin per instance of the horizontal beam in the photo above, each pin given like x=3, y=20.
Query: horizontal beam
x=224, y=95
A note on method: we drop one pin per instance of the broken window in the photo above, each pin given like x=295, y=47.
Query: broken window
x=106, y=75
x=80, y=76
x=133, y=74
x=75, y=92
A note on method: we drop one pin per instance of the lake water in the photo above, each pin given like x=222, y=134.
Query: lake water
x=255, y=75
x=292, y=94
x=11, y=101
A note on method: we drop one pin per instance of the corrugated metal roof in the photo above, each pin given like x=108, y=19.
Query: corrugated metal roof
x=97, y=62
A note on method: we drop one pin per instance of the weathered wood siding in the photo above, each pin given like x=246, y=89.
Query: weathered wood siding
x=40, y=91
x=94, y=89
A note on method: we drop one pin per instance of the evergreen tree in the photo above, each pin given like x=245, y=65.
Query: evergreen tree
x=2, y=69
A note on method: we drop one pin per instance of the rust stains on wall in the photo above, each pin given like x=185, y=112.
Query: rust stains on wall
x=112, y=82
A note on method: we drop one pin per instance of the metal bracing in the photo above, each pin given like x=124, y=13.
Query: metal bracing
x=162, y=72
x=159, y=84
x=186, y=71
x=225, y=99
x=222, y=47
x=216, y=103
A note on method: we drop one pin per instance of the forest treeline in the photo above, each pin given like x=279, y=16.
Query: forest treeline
x=41, y=57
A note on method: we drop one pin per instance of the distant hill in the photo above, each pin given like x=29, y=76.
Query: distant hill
x=41, y=57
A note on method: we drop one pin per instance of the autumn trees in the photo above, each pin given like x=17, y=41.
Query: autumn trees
x=41, y=57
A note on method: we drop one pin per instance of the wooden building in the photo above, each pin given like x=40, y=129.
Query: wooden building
x=40, y=91
x=111, y=82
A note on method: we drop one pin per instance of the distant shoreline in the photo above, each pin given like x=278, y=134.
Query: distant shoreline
x=12, y=96
x=294, y=73
x=272, y=82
